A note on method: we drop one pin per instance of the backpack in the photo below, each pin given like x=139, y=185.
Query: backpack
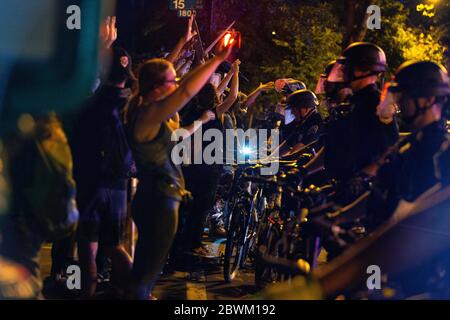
x=49, y=196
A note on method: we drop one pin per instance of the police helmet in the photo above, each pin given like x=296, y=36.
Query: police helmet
x=302, y=99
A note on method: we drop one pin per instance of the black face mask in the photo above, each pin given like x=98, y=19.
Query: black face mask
x=418, y=111
x=332, y=90
x=306, y=116
x=408, y=120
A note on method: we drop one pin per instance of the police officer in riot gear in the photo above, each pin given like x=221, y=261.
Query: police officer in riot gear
x=303, y=123
x=422, y=159
x=413, y=245
x=416, y=170
x=283, y=88
x=358, y=139
x=336, y=94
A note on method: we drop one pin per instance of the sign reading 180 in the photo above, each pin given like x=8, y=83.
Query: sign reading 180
x=185, y=4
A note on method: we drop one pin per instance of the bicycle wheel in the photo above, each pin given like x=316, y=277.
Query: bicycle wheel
x=264, y=274
x=234, y=244
x=248, y=241
x=228, y=209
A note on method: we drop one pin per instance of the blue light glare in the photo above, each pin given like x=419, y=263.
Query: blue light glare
x=246, y=150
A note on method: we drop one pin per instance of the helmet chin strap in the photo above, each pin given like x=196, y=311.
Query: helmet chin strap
x=418, y=111
x=353, y=78
x=310, y=112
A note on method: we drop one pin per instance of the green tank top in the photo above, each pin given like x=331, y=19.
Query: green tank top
x=154, y=163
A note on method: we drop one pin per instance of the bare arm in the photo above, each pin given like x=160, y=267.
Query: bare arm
x=234, y=68
x=108, y=35
x=251, y=99
x=189, y=130
x=108, y=32
x=185, y=58
x=225, y=82
x=232, y=96
x=173, y=56
x=154, y=114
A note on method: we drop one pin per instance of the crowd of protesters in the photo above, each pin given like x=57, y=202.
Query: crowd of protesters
x=123, y=134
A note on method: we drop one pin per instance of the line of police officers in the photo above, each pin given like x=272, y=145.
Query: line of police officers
x=363, y=151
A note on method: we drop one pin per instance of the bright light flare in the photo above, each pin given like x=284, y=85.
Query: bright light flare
x=246, y=150
x=227, y=40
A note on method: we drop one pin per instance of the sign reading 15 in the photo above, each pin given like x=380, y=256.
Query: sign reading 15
x=178, y=4
x=185, y=4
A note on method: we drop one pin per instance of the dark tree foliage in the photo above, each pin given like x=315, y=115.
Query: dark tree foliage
x=297, y=38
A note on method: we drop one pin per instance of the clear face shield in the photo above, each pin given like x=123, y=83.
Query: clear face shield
x=289, y=116
x=320, y=87
x=338, y=72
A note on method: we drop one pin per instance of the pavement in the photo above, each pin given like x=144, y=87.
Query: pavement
x=196, y=279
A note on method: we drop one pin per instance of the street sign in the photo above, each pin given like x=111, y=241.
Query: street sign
x=186, y=13
x=185, y=4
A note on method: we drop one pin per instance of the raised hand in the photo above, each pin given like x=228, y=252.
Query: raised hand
x=235, y=66
x=189, y=33
x=267, y=86
x=223, y=52
x=387, y=107
x=108, y=32
x=207, y=116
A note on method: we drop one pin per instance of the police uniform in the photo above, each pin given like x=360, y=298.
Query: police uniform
x=421, y=161
x=304, y=132
x=309, y=128
x=358, y=139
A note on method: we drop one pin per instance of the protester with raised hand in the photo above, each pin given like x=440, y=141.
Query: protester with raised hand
x=161, y=183
x=202, y=179
x=251, y=98
x=103, y=167
x=234, y=91
x=187, y=37
x=108, y=32
x=107, y=37
x=224, y=83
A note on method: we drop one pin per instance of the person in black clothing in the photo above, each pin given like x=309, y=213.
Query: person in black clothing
x=356, y=140
x=415, y=168
x=409, y=204
x=235, y=116
x=421, y=160
x=303, y=123
x=335, y=102
x=102, y=167
x=202, y=180
x=283, y=88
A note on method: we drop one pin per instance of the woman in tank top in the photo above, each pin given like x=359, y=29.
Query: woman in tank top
x=161, y=183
